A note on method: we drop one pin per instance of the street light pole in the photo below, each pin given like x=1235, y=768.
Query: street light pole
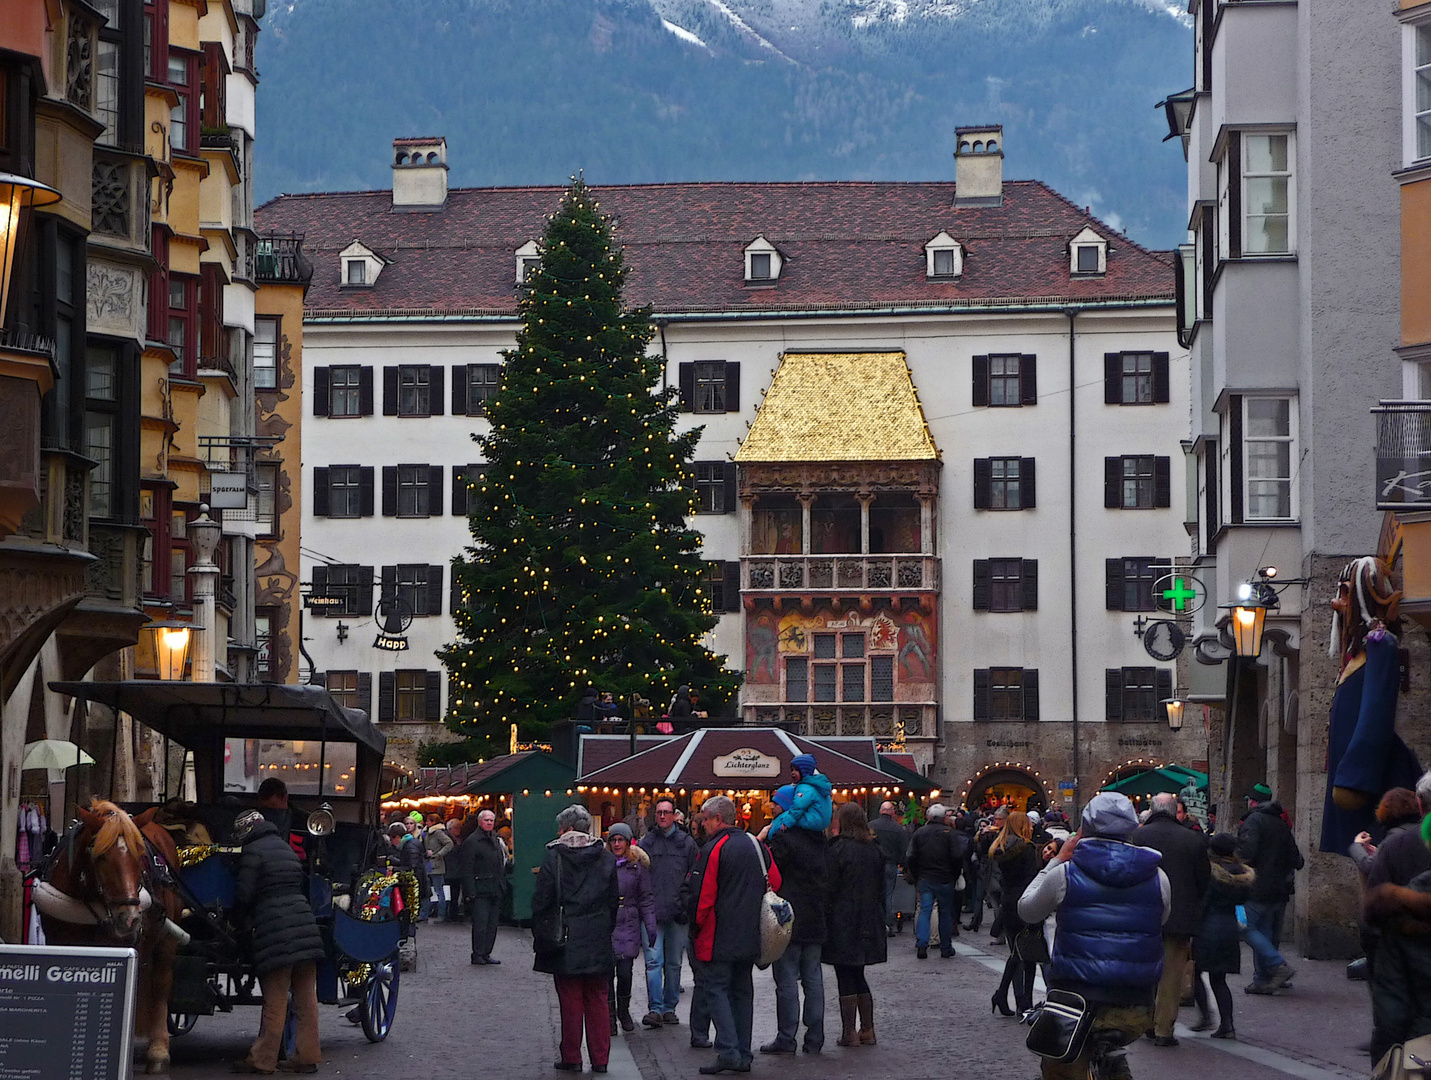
x=204, y=535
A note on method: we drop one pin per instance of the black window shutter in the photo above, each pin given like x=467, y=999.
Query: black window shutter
x=365, y=589
x=387, y=691
x=389, y=491
x=1209, y=256
x=981, y=380
x=459, y=390
x=365, y=391
x=981, y=693
x=1028, y=484
x=454, y=593
x=434, y=591
x=1113, y=584
x=434, y=695
x=1030, y=692
x=1162, y=481
x=365, y=692
x=981, y=584
x=1029, y=579
x=728, y=480
x=1234, y=195
x=1112, y=378
x=687, y=381
x=1028, y=380
x=1161, y=389
x=365, y=491
x=1164, y=683
x=436, y=389
x=390, y=391
x=730, y=586
x=389, y=581
x=459, y=490
x=732, y=387
x=1234, y=455
x=983, y=481
x=434, y=488
x=1113, y=482
x=1213, y=495
x=320, y=492
x=320, y=580
x=1113, y=693
x=320, y=391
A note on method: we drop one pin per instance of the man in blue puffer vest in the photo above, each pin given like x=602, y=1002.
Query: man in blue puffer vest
x=1112, y=900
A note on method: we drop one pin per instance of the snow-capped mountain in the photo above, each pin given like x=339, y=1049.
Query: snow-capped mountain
x=528, y=91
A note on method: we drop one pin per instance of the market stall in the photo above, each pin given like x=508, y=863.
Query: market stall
x=525, y=790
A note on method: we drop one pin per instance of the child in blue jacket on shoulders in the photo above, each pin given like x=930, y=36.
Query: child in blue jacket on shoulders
x=812, y=803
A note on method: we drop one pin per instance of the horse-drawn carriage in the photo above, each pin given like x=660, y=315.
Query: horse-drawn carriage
x=222, y=740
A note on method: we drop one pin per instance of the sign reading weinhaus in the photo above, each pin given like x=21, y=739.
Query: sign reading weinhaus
x=66, y=1013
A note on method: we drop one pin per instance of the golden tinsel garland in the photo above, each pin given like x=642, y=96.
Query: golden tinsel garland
x=194, y=854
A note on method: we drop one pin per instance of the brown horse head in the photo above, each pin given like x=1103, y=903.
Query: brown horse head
x=113, y=847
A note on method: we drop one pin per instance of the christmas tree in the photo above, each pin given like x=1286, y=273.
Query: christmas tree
x=583, y=570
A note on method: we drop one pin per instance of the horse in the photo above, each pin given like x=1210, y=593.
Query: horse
x=100, y=890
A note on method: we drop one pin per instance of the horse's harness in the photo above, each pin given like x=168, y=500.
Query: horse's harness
x=154, y=875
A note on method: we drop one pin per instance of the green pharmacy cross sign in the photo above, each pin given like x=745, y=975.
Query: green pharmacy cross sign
x=1181, y=594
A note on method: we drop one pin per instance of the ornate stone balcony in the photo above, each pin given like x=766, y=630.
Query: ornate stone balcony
x=840, y=573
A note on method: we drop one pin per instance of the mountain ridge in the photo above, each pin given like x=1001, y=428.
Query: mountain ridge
x=530, y=91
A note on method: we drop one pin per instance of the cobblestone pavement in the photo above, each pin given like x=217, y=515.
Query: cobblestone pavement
x=932, y=1017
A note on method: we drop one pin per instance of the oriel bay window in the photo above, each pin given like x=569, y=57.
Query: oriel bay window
x=839, y=668
x=265, y=353
x=183, y=325
x=102, y=428
x=184, y=117
x=775, y=527
x=1256, y=194
x=1267, y=458
x=835, y=525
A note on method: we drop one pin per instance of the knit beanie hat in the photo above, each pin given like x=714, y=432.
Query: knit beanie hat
x=1222, y=844
x=619, y=829
x=804, y=762
x=1260, y=792
x=784, y=797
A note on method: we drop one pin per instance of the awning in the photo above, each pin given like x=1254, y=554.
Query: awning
x=199, y=714
x=1170, y=778
x=906, y=776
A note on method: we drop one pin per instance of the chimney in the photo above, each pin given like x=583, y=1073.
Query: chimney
x=419, y=174
x=979, y=165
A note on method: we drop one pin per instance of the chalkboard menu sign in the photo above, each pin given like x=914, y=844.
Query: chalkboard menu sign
x=66, y=1013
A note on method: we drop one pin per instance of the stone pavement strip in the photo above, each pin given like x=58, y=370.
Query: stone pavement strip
x=932, y=1016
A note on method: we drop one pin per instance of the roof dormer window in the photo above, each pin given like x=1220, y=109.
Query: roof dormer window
x=943, y=257
x=360, y=266
x=529, y=260
x=1088, y=254
x=762, y=262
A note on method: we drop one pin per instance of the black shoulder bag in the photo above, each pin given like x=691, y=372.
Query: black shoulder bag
x=550, y=934
x=1060, y=1026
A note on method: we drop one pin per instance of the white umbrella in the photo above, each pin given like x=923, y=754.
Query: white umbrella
x=54, y=754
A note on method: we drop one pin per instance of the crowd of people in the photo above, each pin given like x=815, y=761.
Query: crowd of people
x=1130, y=912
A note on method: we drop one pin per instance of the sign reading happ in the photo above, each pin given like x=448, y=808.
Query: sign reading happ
x=746, y=761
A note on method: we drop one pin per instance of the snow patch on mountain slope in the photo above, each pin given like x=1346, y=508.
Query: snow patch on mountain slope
x=684, y=34
x=745, y=28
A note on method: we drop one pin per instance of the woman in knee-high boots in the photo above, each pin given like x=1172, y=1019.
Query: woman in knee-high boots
x=1019, y=863
x=637, y=912
x=855, y=937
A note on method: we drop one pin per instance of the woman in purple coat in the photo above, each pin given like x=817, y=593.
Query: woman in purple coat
x=636, y=913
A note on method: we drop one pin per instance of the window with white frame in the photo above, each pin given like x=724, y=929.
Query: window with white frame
x=357, y=272
x=1266, y=194
x=265, y=353
x=944, y=257
x=1268, y=437
x=1418, y=98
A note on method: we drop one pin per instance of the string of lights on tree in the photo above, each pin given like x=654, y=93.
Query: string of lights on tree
x=582, y=568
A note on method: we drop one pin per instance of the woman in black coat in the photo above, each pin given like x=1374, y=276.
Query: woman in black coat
x=1217, y=946
x=855, y=935
x=573, y=914
x=1018, y=862
x=269, y=901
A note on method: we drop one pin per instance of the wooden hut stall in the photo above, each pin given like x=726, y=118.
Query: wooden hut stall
x=746, y=763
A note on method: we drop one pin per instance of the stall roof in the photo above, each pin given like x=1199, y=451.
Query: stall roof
x=689, y=760
x=1170, y=779
x=498, y=775
x=196, y=714
x=900, y=767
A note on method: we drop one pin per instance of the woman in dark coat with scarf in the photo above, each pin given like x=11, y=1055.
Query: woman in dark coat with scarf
x=573, y=914
x=637, y=913
x=1018, y=862
x=855, y=934
x=1217, y=946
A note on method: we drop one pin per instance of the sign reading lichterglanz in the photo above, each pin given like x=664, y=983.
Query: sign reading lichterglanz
x=746, y=761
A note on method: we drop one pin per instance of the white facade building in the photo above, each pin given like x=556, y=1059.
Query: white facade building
x=1014, y=314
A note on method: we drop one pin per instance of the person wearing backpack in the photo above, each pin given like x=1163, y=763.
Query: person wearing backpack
x=725, y=893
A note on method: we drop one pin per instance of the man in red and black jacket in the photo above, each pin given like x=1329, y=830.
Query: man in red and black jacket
x=724, y=893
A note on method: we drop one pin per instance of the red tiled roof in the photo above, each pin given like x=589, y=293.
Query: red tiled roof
x=661, y=766
x=846, y=245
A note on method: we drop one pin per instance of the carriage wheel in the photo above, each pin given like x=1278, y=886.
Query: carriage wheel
x=379, y=1003
x=181, y=1023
